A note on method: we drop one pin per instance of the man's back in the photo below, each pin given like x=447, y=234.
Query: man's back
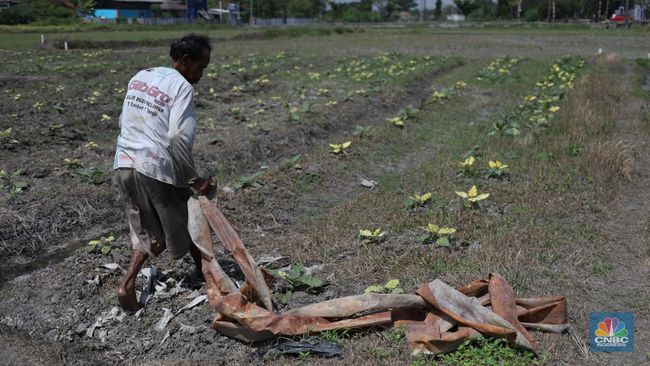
x=157, y=126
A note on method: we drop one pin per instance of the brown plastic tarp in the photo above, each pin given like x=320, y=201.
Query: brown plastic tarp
x=498, y=314
x=437, y=319
x=234, y=245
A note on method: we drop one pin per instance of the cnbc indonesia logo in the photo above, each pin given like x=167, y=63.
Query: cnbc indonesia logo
x=611, y=332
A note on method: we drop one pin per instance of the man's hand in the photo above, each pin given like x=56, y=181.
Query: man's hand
x=206, y=187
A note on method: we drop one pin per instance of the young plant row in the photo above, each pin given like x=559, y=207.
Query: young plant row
x=539, y=107
x=432, y=232
x=498, y=69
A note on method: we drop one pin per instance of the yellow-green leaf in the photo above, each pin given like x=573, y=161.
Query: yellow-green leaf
x=432, y=228
x=446, y=230
x=375, y=289
x=480, y=197
x=425, y=197
x=391, y=284
x=365, y=233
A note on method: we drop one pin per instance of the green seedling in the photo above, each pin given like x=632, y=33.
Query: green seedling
x=292, y=162
x=5, y=136
x=362, y=131
x=439, y=96
x=59, y=108
x=337, y=149
x=91, y=174
x=391, y=287
x=91, y=145
x=460, y=85
x=56, y=126
x=396, y=334
x=216, y=139
x=7, y=180
x=371, y=236
x=467, y=166
x=397, y=121
x=102, y=245
x=490, y=351
x=496, y=169
x=472, y=198
x=17, y=187
x=235, y=111
x=417, y=200
x=246, y=181
x=335, y=336
x=439, y=235
x=72, y=163
x=297, y=279
x=505, y=126
x=408, y=112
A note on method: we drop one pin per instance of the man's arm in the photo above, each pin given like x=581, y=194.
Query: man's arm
x=182, y=127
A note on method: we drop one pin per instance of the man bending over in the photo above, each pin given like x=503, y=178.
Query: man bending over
x=153, y=162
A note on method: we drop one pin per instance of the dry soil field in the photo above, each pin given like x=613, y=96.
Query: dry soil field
x=568, y=216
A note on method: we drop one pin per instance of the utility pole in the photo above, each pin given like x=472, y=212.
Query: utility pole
x=600, y=2
x=627, y=13
x=422, y=4
x=251, y=18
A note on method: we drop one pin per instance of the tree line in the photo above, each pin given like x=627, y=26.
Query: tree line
x=58, y=11
x=387, y=10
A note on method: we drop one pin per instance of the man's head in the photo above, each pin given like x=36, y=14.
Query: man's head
x=190, y=56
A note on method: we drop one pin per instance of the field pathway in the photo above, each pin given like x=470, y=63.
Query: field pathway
x=626, y=286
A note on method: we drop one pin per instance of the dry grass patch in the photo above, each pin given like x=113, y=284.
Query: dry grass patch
x=609, y=160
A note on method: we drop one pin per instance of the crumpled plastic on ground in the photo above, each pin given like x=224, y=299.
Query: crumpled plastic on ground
x=324, y=349
x=437, y=319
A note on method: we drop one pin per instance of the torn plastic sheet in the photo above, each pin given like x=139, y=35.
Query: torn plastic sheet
x=438, y=318
x=325, y=349
x=197, y=300
x=437, y=321
x=258, y=319
x=234, y=245
x=348, y=306
x=107, y=317
x=151, y=274
x=497, y=314
x=162, y=323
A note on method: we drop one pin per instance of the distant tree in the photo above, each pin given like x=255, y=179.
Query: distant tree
x=38, y=11
x=266, y=8
x=438, y=10
x=352, y=12
x=466, y=6
x=449, y=9
x=305, y=8
x=86, y=7
x=503, y=9
x=400, y=5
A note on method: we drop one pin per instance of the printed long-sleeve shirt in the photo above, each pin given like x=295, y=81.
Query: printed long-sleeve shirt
x=158, y=126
